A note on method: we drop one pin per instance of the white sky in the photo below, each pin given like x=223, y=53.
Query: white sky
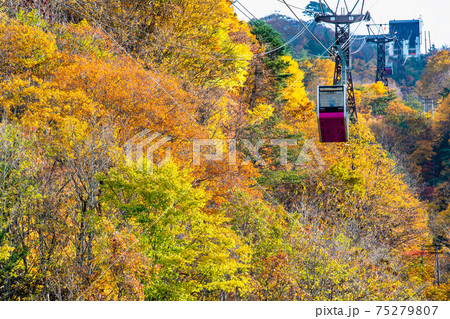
x=435, y=13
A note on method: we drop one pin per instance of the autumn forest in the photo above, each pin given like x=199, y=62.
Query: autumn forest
x=80, y=220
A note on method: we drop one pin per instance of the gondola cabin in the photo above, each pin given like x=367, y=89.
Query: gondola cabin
x=389, y=68
x=332, y=113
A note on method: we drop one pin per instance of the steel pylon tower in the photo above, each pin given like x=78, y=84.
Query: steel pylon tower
x=381, y=40
x=342, y=53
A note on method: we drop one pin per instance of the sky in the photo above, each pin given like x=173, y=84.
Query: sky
x=434, y=13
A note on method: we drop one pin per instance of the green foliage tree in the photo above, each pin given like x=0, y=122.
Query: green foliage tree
x=194, y=255
x=273, y=42
x=314, y=8
x=18, y=195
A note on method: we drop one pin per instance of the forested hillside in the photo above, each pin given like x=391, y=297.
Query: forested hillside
x=304, y=45
x=79, y=220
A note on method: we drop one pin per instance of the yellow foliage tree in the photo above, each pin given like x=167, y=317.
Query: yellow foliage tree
x=297, y=105
x=25, y=48
x=435, y=76
x=317, y=72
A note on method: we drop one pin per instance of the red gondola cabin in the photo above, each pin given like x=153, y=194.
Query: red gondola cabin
x=332, y=113
x=389, y=71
